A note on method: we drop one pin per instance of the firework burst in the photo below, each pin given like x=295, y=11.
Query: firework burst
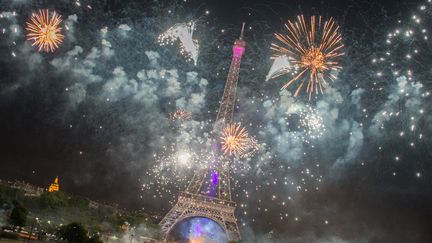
x=313, y=49
x=44, y=31
x=234, y=139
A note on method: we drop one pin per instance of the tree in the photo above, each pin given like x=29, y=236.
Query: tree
x=73, y=232
x=53, y=200
x=18, y=216
x=95, y=239
x=79, y=202
x=77, y=233
x=8, y=194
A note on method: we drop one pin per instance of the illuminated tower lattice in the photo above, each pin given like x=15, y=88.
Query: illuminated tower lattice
x=54, y=187
x=209, y=193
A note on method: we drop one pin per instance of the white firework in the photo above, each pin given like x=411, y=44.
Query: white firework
x=311, y=122
x=183, y=32
x=408, y=48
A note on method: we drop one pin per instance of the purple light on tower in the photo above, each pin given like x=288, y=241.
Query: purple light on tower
x=215, y=178
x=214, y=175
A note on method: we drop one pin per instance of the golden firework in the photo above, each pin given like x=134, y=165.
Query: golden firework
x=313, y=49
x=234, y=140
x=44, y=31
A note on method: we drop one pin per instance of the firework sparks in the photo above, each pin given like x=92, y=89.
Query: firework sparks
x=306, y=123
x=180, y=115
x=183, y=32
x=408, y=49
x=44, y=31
x=172, y=170
x=403, y=67
x=313, y=48
x=252, y=147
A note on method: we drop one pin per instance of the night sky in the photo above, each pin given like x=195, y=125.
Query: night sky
x=96, y=113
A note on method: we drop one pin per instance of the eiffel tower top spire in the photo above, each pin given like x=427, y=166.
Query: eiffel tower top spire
x=242, y=30
x=227, y=103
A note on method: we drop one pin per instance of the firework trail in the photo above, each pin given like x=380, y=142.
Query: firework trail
x=189, y=47
x=280, y=66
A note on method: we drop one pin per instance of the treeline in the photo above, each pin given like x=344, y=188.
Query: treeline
x=52, y=210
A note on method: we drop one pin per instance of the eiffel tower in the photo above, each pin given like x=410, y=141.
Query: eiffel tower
x=209, y=193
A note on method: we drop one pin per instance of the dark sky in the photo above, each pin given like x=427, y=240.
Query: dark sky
x=96, y=111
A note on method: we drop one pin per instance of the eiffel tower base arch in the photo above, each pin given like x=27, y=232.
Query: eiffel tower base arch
x=195, y=205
